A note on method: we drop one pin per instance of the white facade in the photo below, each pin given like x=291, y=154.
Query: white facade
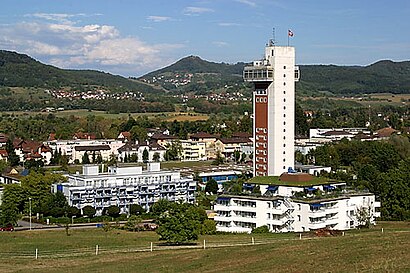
x=123, y=186
x=273, y=103
x=67, y=147
x=282, y=213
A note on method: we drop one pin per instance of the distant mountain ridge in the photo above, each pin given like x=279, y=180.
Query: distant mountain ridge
x=193, y=74
x=380, y=77
x=20, y=70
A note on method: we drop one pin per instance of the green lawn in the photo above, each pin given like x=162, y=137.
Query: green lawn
x=357, y=251
x=275, y=180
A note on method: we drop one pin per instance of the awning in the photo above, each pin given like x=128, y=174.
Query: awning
x=272, y=188
x=248, y=186
x=224, y=198
x=310, y=189
x=316, y=205
x=328, y=187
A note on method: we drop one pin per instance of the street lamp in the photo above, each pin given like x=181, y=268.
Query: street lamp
x=29, y=202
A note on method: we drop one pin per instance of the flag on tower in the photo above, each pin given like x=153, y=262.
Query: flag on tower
x=290, y=33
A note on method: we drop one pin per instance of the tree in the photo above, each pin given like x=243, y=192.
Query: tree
x=363, y=217
x=133, y=223
x=145, y=155
x=261, y=229
x=136, y=209
x=181, y=223
x=208, y=227
x=13, y=158
x=8, y=214
x=156, y=157
x=85, y=159
x=211, y=186
x=89, y=211
x=159, y=207
x=174, y=150
x=219, y=159
x=113, y=211
x=237, y=155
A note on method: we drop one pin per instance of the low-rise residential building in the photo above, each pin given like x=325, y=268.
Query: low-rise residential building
x=131, y=150
x=71, y=148
x=209, y=140
x=296, y=207
x=228, y=146
x=193, y=150
x=123, y=186
x=29, y=149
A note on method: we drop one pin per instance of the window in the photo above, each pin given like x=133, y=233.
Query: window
x=299, y=218
x=284, y=92
x=284, y=160
x=284, y=83
x=284, y=67
x=284, y=167
x=284, y=115
x=284, y=75
x=284, y=145
x=284, y=123
x=284, y=152
x=284, y=100
x=284, y=107
x=268, y=205
x=268, y=215
x=299, y=207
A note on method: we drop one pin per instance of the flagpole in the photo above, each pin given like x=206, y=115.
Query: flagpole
x=288, y=39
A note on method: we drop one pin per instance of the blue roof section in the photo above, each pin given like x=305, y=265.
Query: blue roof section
x=224, y=198
x=25, y=172
x=329, y=187
x=311, y=189
x=248, y=186
x=316, y=205
x=272, y=188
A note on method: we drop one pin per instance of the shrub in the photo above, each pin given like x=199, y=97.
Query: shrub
x=261, y=229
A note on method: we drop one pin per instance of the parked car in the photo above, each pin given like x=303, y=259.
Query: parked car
x=7, y=228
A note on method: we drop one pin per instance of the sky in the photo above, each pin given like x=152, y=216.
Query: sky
x=134, y=37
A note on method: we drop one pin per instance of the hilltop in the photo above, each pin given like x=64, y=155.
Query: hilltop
x=20, y=70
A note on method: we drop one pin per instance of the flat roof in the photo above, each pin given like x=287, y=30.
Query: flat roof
x=275, y=180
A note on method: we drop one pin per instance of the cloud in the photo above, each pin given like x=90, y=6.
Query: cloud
x=196, y=10
x=220, y=43
x=84, y=46
x=154, y=18
x=229, y=24
x=247, y=2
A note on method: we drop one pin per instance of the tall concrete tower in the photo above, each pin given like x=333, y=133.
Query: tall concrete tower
x=273, y=109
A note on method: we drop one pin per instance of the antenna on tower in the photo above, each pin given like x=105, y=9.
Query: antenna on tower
x=273, y=40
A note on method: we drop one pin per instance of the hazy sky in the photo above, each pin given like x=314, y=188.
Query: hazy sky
x=132, y=37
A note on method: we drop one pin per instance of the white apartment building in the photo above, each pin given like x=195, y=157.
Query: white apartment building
x=281, y=211
x=273, y=108
x=123, y=186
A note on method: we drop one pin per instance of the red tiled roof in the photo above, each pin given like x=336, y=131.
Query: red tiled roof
x=234, y=140
x=3, y=153
x=386, y=132
x=202, y=135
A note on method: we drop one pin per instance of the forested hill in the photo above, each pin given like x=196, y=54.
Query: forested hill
x=194, y=74
x=380, y=77
x=20, y=70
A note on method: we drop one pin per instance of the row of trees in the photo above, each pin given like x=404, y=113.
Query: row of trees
x=381, y=166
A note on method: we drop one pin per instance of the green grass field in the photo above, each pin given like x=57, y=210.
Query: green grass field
x=120, y=251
